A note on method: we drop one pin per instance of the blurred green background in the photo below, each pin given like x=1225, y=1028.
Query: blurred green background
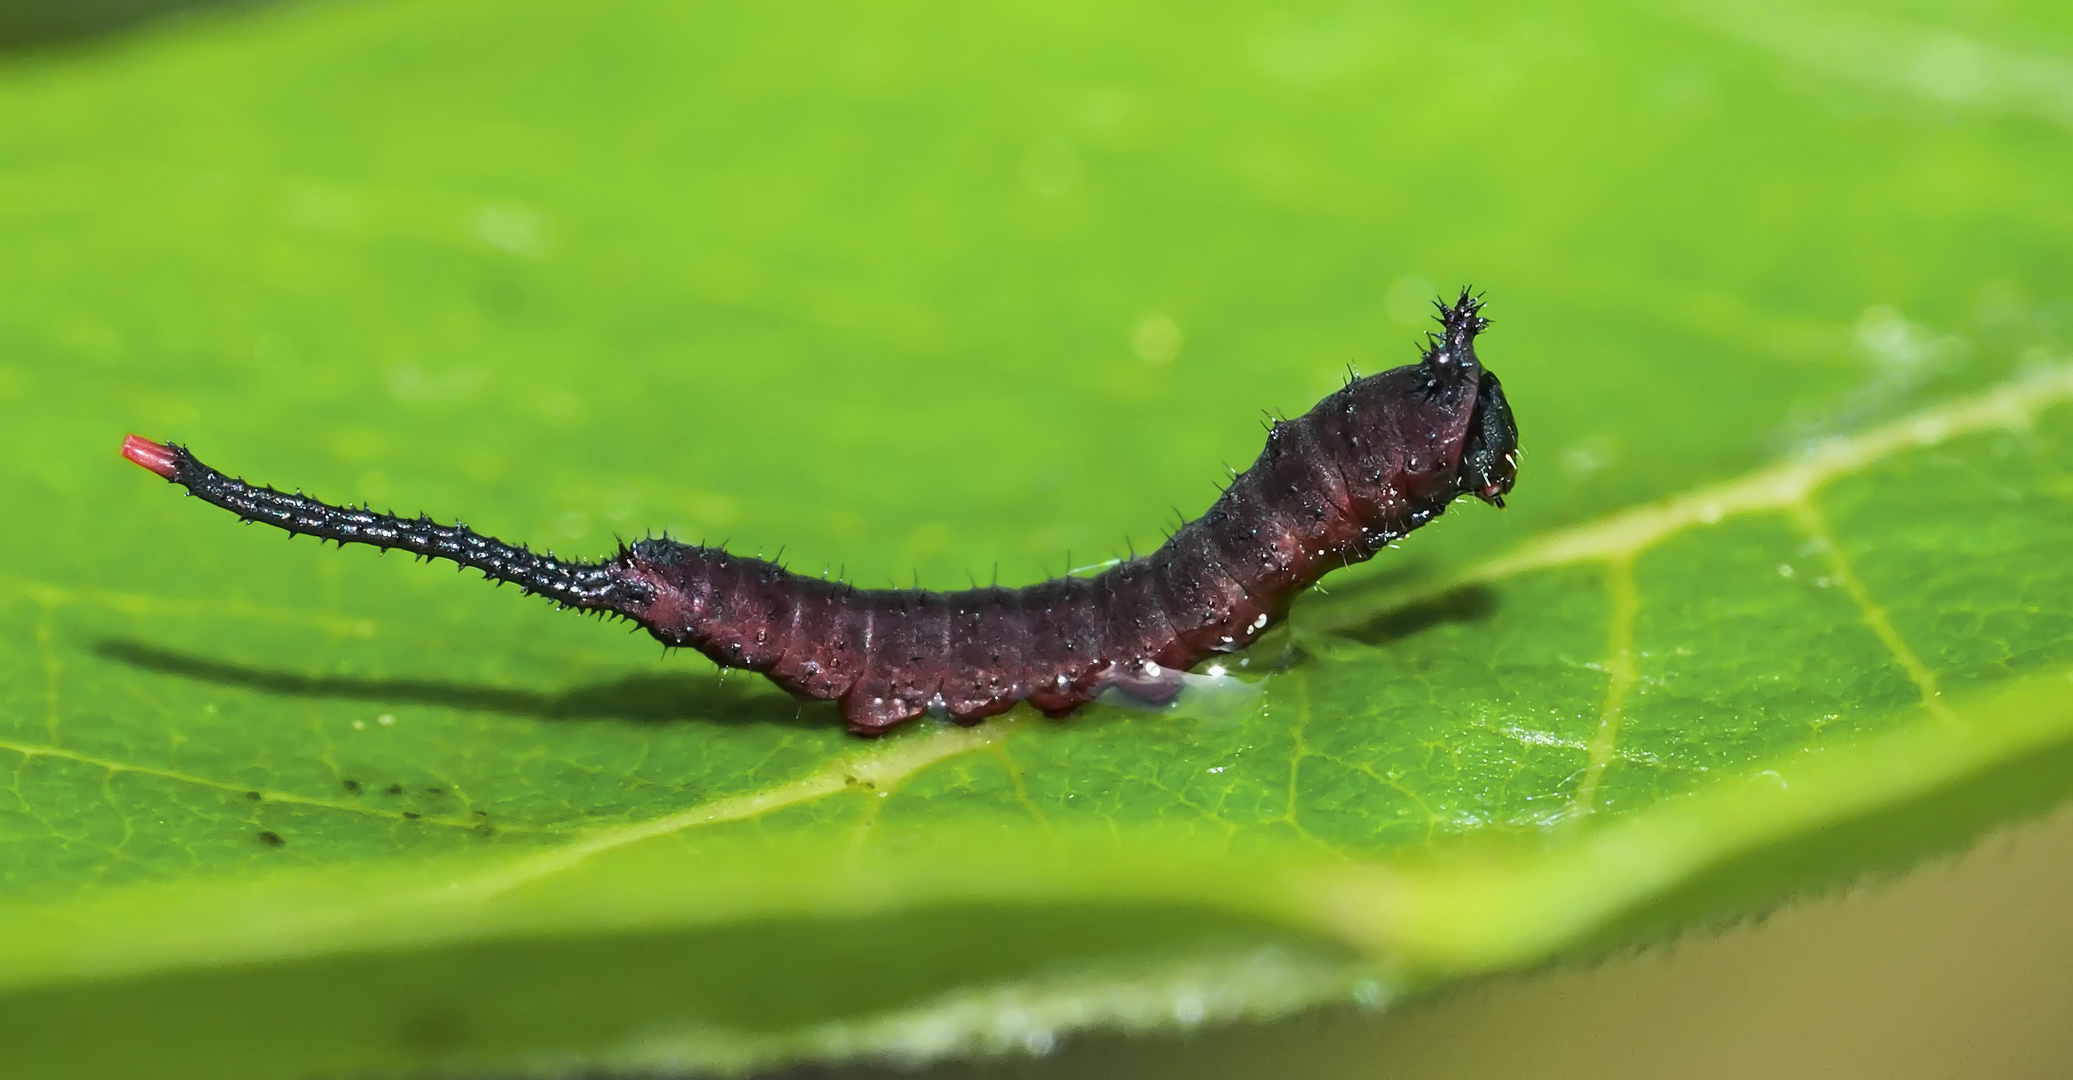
x=33, y=25
x=1960, y=969
x=912, y=290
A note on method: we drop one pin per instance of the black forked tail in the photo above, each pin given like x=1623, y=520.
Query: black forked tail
x=581, y=585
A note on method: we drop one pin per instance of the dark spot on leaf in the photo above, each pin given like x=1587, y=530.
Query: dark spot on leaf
x=411, y=815
x=435, y=791
x=271, y=838
x=352, y=787
x=395, y=789
x=254, y=796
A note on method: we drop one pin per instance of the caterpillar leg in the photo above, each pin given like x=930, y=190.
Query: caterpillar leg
x=1144, y=683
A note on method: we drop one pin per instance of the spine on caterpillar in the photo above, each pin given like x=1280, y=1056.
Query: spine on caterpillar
x=578, y=585
x=1365, y=466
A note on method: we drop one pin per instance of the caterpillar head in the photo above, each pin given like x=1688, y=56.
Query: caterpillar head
x=1490, y=456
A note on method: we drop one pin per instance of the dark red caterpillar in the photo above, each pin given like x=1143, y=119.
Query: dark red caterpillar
x=1367, y=465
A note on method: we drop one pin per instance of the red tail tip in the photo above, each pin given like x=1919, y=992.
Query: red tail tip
x=158, y=457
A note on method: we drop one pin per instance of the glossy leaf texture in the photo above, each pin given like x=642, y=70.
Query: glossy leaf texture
x=918, y=290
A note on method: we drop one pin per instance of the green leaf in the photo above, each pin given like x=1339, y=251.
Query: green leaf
x=1782, y=596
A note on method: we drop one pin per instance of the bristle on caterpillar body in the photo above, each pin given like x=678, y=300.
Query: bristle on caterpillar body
x=1364, y=467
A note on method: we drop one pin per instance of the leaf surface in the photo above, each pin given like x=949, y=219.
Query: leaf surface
x=1782, y=596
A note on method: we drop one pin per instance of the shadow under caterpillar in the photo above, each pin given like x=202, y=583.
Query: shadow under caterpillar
x=1365, y=466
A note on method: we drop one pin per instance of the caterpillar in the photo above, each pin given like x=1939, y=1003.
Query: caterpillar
x=1369, y=463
